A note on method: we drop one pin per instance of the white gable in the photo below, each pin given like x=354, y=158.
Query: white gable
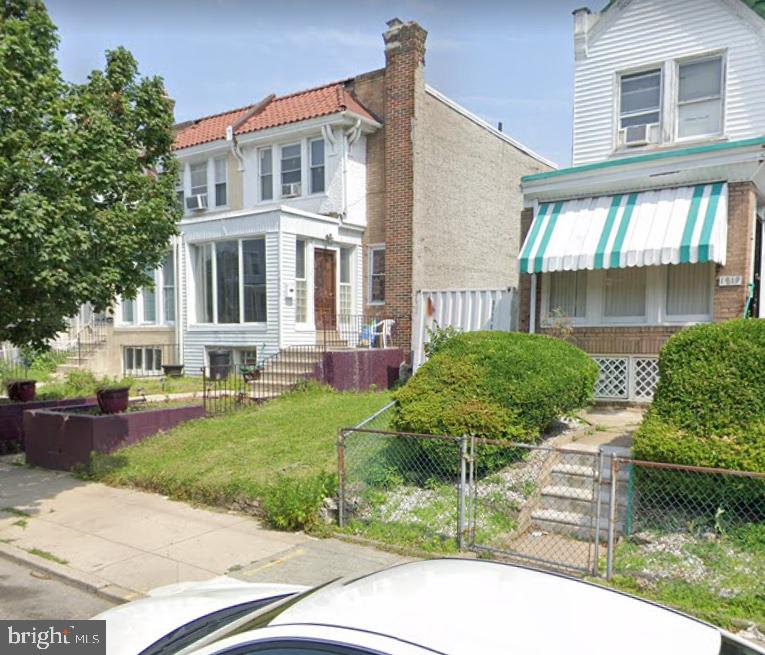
x=639, y=33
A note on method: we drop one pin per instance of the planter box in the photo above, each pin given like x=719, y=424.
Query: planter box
x=357, y=370
x=64, y=439
x=12, y=415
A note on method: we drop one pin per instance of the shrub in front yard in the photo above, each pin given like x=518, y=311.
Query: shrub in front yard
x=497, y=385
x=294, y=503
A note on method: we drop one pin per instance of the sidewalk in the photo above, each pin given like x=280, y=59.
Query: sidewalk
x=123, y=542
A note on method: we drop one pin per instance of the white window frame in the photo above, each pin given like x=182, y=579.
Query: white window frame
x=644, y=70
x=721, y=55
x=260, y=197
x=655, y=303
x=371, y=250
x=142, y=371
x=301, y=147
x=348, y=286
x=192, y=301
x=312, y=166
x=304, y=281
x=159, y=301
x=198, y=164
x=224, y=160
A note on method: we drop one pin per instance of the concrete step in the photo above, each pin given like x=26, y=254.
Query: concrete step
x=572, y=524
x=284, y=383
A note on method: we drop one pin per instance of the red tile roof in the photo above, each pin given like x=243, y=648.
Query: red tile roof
x=321, y=101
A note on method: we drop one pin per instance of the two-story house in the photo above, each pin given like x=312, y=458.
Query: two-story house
x=658, y=223
x=324, y=209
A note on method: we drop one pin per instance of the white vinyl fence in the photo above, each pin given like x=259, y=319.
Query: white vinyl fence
x=468, y=310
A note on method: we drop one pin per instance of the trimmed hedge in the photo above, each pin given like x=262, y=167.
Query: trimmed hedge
x=496, y=385
x=709, y=405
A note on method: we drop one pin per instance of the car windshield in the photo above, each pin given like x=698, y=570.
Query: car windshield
x=735, y=647
x=206, y=625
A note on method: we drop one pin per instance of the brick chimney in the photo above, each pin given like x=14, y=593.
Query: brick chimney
x=404, y=63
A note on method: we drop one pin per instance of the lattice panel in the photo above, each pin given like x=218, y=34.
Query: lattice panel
x=613, y=381
x=645, y=376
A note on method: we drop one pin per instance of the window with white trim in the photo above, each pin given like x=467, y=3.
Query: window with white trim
x=640, y=98
x=180, y=193
x=218, y=286
x=301, y=291
x=377, y=275
x=316, y=151
x=141, y=361
x=152, y=305
x=568, y=294
x=198, y=173
x=700, y=97
x=625, y=290
x=689, y=290
x=168, y=287
x=127, y=310
x=291, y=170
x=149, y=301
x=266, y=172
x=345, y=282
x=220, y=166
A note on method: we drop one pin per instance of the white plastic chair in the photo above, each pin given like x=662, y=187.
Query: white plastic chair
x=382, y=328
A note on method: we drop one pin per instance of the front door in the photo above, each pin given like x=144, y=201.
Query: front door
x=324, y=300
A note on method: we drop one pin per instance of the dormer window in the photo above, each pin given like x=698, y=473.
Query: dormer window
x=700, y=98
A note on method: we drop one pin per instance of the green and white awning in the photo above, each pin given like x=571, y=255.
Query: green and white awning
x=648, y=228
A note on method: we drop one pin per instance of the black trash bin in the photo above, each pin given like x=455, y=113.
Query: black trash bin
x=220, y=364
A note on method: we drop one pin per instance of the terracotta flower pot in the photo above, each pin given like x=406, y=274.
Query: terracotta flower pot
x=22, y=391
x=113, y=401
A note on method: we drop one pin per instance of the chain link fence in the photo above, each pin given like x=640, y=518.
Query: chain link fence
x=568, y=508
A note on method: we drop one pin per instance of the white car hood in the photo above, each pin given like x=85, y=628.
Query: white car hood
x=133, y=627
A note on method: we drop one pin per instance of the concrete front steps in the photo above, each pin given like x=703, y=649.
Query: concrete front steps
x=281, y=373
x=566, y=502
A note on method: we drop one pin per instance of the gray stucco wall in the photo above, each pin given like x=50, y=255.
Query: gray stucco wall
x=467, y=200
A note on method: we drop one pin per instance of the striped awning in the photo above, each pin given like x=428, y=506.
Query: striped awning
x=648, y=228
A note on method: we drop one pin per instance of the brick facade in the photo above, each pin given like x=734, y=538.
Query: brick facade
x=728, y=302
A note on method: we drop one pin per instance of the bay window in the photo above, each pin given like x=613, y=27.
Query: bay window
x=230, y=281
x=316, y=149
x=153, y=304
x=700, y=98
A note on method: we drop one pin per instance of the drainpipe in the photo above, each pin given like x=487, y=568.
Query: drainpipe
x=350, y=136
x=235, y=150
x=533, y=305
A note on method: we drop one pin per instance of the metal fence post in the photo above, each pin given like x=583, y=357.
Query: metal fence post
x=341, y=478
x=463, y=480
x=598, y=486
x=612, y=515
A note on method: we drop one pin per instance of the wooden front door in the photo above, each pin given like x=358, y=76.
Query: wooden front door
x=324, y=300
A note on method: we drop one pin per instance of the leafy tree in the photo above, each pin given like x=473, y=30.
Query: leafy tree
x=87, y=179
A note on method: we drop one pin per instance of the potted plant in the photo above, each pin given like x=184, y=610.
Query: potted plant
x=21, y=391
x=113, y=397
x=172, y=370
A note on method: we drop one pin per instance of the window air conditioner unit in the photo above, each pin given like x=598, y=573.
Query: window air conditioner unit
x=291, y=190
x=197, y=202
x=639, y=135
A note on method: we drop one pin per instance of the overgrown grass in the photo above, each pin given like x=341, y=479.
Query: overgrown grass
x=163, y=385
x=238, y=458
x=718, y=578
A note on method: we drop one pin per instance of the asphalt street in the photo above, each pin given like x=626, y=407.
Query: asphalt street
x=30, y=594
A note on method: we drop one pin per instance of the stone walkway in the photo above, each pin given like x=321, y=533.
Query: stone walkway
x=123, y=542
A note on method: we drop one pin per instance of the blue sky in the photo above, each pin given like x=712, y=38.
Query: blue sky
x=508, y=61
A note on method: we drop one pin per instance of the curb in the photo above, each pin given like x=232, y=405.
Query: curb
x=87, y=581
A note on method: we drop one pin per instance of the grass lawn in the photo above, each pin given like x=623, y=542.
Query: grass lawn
x=163, y=385
x=233, y=458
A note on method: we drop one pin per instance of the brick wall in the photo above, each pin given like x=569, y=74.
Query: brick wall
x=728, y=302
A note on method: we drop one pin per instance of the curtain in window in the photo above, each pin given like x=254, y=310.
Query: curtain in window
x=625, y=292
x=227, y=264
x=254, y=267
x=568, y=293
x=688, y=289
x=203, y=282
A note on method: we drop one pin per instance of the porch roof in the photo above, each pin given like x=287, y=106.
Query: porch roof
x=649, y=228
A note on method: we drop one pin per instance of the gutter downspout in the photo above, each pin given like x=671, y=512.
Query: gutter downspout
x=533, y=305
x=350, y=136
x=231, y=129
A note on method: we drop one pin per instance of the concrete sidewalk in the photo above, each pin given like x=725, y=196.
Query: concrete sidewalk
x=122, y=542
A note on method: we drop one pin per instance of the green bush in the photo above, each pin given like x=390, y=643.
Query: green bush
x=711, y=378
x=294, y=503
x=709, y=405
x=496, y=385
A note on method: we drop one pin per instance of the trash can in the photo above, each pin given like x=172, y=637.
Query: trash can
x=220, y=364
